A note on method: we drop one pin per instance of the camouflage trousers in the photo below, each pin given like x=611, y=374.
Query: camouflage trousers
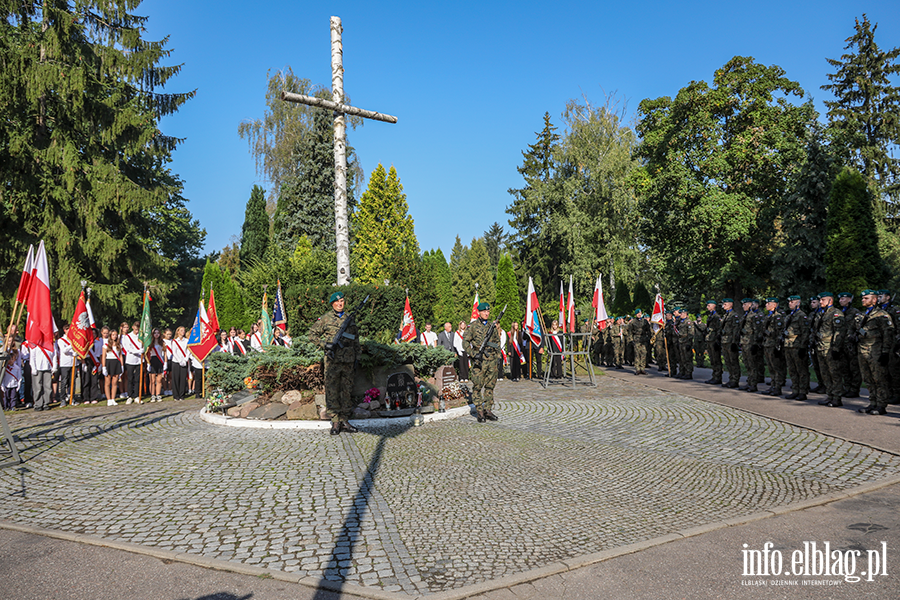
x=777, y=366
x=640, y=357
x=659, y=349
x=484, y=379
x=732, y=362
x=798, y=366
x=699, y=351
x=831, y=373
x=851, y=377
x=619, y=353
x=338, y=389
x=715, y=360
x=685, y=359
x=875, y=376
x=752, y=359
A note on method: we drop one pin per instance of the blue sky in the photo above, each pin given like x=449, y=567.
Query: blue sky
x=470, y=82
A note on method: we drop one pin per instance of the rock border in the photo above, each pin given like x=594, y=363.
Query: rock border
x=362, y=424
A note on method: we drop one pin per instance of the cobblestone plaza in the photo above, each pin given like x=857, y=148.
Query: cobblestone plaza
x=564, y=473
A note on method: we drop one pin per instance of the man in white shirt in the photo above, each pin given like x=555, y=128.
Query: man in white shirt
x=43, y=365
x=429, y=338
x=66, y=357
x=131, y=345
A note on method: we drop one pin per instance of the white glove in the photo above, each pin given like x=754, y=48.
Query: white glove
x=105, y=373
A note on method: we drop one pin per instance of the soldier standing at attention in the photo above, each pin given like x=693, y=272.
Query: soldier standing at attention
x=893, y=370
x=773, y=328
x=484, y=371
x=339, y=369
x=685, y=329
x=658, y=340
x=829, y=344
x=618, y=337
x=731, y=335
x=699, y=341
x=796, y=349
x=714, y=342
x=815, y=315
x=875, y=333
x=851, y=380
x=750, y=338
x=639, y=331
x=671, y=344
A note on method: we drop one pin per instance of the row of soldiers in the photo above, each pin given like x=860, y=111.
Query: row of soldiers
x=844, y=345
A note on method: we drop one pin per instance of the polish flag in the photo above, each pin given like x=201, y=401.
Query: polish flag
x=80, y=334
x=25, y=281
x=599, y=304
x=90, y=313
x=408, y=331
x=656, y=318
x=40, y=327
x=562, y=308
x=571, y=308
x=474, y=308
x=532, y=319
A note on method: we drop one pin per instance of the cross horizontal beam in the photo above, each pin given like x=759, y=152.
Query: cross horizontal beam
x=343, y=108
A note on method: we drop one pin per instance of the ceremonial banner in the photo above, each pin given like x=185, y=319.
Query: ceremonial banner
x=656, y=318
x=266, y=336
x=213, y=317
x=408, y=329
x=280, y=316
x=532, y=319
x=146, y=332
x=561, y=319
x=571, y=308
x=90, y=313
x=202, y=339
x=40, y=327
x=80, y=334
x=474, y=308
x=599, y=304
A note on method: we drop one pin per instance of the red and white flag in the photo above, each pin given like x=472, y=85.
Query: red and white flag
x=25, y=281
x=561, y=320
x=599, y=304
x=90, y=313
x=474, y=308
x=532, y=318
x=40, y=327
x=80, y=334
x=213, y=317
x=202, y=339
x=408, y=329
x=571, y=308
x=656, y=318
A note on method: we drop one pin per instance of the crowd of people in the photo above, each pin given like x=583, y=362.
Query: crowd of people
x=116, y=367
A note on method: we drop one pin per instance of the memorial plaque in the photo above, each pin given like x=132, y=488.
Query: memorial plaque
x=402, y=390
x=445, y=376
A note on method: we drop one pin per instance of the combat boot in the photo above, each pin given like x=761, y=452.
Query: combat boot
x=868, y=409
x=335, y=428
x=801, y=397
x=490, y=416
x=792, y=396
x=479, y=416
x=775, y=392
x=345, y=426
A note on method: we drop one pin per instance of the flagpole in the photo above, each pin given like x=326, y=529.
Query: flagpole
x=141, y=377
x=203, y=380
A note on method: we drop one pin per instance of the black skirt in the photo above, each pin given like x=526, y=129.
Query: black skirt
x=113, y=367
x=156, y=365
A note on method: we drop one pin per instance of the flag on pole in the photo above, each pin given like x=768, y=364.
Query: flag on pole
x=90, y=313
x=656, y=318
x=40, y=327
x=408, y=328
x=25, y=281
x=280, y=316
x=146, y=332
x=80, y=334
x=202, y=339
x=474, y=308
x=213, y=317
x=571, y=308
x=599, y=304
x=561, y=320
x=266, y=337
x=532, y=319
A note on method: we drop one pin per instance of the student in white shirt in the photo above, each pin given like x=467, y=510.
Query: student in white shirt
x=156, y=365
x=66, y=357
x=429, y=338
x=178, y=355
x=131, y=344
x=111, y=361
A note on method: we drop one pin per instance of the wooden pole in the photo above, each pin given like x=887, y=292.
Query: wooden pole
x=344, y=108
x=72, y=381
x=203, y=380
x=12, y=318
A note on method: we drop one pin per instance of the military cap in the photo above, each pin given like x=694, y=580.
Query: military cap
x=669, y=311
x=711, y=301
x=773, y=299
x=814, y=298
x=794, y=297
x=746, y=300
x=884, y=293
x=826, y=295
x=870, y=293
x=724, y=300
x=845, y=295
x=638, y=311
x=335, y=297
x=483, y=306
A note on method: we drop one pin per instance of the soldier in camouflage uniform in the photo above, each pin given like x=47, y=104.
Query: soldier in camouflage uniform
x=875, y=334
x=639, y=331
x=618, y=336
x=339, y=369
x=671, y=344
x=796, y=348
x=609, y=345
x=714, y=342
x=684, y=328
x=751, y=344
x=629, y=343
x=658, y=340
x=815, y=315
x=773, y=328
x=699, y=341
x=893, y=370
x=484, y=371
x=731, y=335
x=851, y=380
x=832, y=330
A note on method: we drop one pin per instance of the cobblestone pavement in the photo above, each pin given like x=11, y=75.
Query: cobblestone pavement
x=419, y=510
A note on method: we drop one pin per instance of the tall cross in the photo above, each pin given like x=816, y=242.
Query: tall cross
x=341, y=226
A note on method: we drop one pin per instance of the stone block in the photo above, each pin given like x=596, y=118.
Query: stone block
x=291, y=396
x=247, y=408
x=243, y=397
x=320, y=400
x=234, y=411
x=276, y=397
x=361, y=413
x=299, y=411
x=268, y=412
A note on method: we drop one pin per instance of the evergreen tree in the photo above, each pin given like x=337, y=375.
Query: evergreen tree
x=864, y=114
x=255, y=231
x=495, y=241
x=798, y=264
x=475, y=268
x=443, y=308
x=642, y=298
x=622, y=302
x=852, y=259
x=230, y=308
x=508, y=292
x=386, y=245
x=82, y=160
x=462, y=305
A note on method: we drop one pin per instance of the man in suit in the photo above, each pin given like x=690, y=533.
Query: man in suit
x=445, y=338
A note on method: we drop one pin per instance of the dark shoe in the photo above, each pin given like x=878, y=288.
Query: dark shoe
x=834, y=403
x=792, y=396
x=775, y=392
x=867, y=409
x=825, y=402
x=491, y=416
x=752, y=389
x=850, y=394
x=801, y=397
x=744, y=388
x=479, y=417
x=688, y=377
x=335, y=428
x=879, y=410
x=731, y=385
x=819, y=389
x=345, y=426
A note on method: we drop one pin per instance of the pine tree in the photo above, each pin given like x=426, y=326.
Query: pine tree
x=386, y=245
x=443, y=307
x=863, y=116
x=622, y=303
x=495, y=240
x=230, y=308
x=508, y=292
x=82, y=160
x=852, y=259
x=641, y=298
x=462, y=306
x=475, y=268
x=255, y=231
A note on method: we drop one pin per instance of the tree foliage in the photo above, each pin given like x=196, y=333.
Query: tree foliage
x=508, y=293
x=255, y=231
x=230, y=309
x=82, y=160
